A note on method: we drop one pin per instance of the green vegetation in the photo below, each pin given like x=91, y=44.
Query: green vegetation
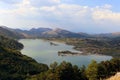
x=14, y=65
x=10, y=43
x=67, y=71
x=65, y=53
x=92, y=69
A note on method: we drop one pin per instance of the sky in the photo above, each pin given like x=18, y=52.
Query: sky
x=89, y=16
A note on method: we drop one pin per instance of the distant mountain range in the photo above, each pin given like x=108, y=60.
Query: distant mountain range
x=50, y=33
x=40, y=33
x=109, y=35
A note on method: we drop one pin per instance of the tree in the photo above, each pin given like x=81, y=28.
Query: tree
x=92, y=71
x=53, y=66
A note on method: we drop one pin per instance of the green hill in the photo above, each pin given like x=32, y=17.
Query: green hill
x=14, y=65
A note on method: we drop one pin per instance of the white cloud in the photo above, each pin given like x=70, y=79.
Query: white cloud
x=107, y=6
x=56, y=1
x=22, y=9
x=54, y=12
x=106, y=16
x=38, y=3
x=46, y=8
x=11, y=1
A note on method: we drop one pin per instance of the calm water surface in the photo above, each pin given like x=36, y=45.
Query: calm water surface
x=43, y=52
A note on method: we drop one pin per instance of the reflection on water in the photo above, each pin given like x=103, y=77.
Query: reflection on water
x=44, y=52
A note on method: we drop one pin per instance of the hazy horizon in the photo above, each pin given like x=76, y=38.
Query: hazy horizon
x=88, y=16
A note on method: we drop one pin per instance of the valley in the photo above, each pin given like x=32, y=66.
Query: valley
x=43, y=45
x=59, y=39
x=103, y=44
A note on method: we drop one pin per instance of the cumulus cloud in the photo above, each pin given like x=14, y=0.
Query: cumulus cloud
x=106, y=17
x=55, y=13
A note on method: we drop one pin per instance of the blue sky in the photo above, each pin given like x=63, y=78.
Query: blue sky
x=90, y=16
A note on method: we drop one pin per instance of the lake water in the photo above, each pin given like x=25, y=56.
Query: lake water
x=43, y=52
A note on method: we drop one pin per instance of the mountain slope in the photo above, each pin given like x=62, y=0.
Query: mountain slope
x=61, y=33
x=33, y=32
x=14, y=65
x=10, y=33
x=47, y=33
x=109, y=35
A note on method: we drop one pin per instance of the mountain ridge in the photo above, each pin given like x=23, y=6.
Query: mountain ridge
x=51, y=33
x=5, y=31
x=48, y=33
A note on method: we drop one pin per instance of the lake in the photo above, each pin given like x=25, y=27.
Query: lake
x=43, y=52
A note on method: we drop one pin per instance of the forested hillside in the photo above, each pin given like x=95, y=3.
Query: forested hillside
x=67, y=71
x=14, y=65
